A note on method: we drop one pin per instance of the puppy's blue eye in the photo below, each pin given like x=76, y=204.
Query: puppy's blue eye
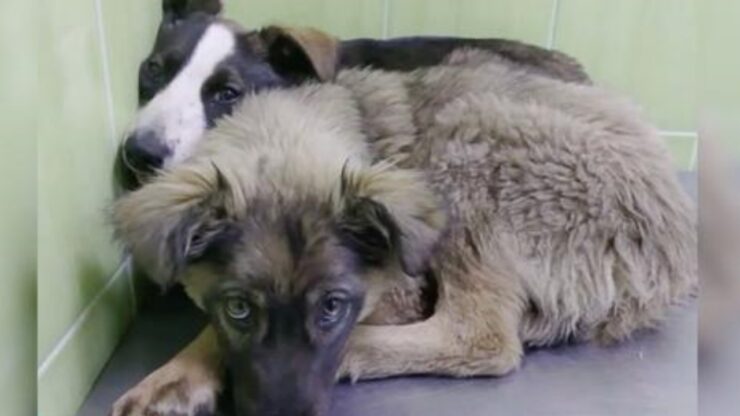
x=238, y=308
x=226, y=95
x=333, y=308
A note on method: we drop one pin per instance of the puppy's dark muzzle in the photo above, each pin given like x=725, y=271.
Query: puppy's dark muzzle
x=140, y=156
x=293, y=396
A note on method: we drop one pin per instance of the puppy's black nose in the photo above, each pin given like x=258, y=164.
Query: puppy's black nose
x=138, y=158
x=144, y=152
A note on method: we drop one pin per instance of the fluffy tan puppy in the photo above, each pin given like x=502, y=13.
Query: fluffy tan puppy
x=544, y=211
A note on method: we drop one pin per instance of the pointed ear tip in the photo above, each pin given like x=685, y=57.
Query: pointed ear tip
x=300, y=34
x=271, y=31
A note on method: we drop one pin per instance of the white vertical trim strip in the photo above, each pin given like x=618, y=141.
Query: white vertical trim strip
x=128, y=269
x=111, y=110
x=78, y=323
x=694, y=155
x=132, y=285
x=105, y=66
x=552, y=30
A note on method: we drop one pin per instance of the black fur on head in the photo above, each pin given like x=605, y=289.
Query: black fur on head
x=205, y=231
x=177, y=10
x=179, y=220
x=368, y=229
x=390, y=215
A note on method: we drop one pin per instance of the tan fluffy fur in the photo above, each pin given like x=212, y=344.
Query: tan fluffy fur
x=547, y=211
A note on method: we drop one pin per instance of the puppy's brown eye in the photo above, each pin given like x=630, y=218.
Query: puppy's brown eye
x=332, y=306
x=333, y=309
x=238, y=308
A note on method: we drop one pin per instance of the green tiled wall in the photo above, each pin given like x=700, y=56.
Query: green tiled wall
x=129, y=28
x=17, y=209
x=656, y=51
x=718, y=69
x=358, y=18
x=88, y=54
x=644, y=49
x=75, y=156
x=526, y=20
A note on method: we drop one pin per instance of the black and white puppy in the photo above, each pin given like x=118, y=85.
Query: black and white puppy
x=202, y=65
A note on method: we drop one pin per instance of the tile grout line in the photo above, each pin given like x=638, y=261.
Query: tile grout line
x=687, y=134
x=77, y=324
x=107, y=84
x=684, y=135
x=552, y=30
x=386, y=17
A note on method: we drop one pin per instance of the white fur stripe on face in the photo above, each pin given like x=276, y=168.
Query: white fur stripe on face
x=176, y=114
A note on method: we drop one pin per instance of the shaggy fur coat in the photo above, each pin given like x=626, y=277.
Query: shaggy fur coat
x=545, y=211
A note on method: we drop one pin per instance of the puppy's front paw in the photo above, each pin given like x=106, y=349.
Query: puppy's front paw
x=349, y=370
x=359, y=362
x=170, y=391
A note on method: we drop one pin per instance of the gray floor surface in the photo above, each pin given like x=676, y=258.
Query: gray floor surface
x=653, y=374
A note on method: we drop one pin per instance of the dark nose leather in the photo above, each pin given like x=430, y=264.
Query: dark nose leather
x=145, y=152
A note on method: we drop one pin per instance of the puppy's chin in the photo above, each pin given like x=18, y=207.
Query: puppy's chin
x=125, y=179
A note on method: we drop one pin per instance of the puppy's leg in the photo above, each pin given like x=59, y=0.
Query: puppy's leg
x=473, y=332
x=187, y=385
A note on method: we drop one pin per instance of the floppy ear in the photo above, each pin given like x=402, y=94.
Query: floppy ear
x=390, y=215
x=174, y=221
x=301, y=54
x=369, y=230
x=174, y=10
